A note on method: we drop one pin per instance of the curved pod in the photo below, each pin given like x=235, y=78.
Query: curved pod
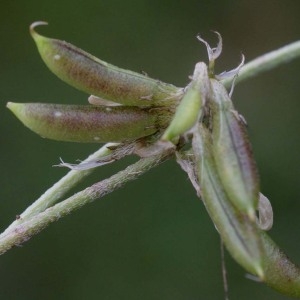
x=94, y=76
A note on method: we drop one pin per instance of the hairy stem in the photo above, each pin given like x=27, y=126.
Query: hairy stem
x=60, y=188
x=23, y=232
x=267, y=62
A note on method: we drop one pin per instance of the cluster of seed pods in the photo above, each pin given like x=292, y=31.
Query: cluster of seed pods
x=226, y=177
x=128, y=100
x=224, y=165
x=128, y=106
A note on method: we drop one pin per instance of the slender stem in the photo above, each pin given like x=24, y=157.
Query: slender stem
x=24, y=231
x=60, y=188
x=267, y=62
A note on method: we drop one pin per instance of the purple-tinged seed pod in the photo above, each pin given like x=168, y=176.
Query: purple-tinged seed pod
x=233, y=153
x=89, y=124
x=250, y=246
x=239, y=233
x=94, y=76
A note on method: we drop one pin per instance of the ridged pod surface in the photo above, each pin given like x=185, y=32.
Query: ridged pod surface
x=233, y=152
x=239, y=233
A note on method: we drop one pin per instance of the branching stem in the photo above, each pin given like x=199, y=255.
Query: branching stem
x=60, y=188
x=20, y=233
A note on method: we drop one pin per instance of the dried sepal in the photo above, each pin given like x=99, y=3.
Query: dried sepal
x=115, y=151
x=213, y=53
x=94, y=76
x=186, y=160
x=265, y=213
x=94, y=100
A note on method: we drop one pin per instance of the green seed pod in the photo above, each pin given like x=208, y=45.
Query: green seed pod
x=281, y=274
x=94, y=76
x=240, y=235
x=189, y=110
x=233, y=154
x=83, y=123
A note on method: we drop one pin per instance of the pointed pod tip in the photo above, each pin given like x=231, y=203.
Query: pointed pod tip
x=10, y=105
x=14, y=107
x=17, y=109
x=34, y=25
x=257, y=273
x=260, y=273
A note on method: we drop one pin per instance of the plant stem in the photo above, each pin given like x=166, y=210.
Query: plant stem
x=24, y=231
x=60, y=188
x=267, y=62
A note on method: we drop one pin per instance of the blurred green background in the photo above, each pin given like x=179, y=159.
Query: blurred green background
x=153, y=238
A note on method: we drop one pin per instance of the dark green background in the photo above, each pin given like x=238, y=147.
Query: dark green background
x=153, y=238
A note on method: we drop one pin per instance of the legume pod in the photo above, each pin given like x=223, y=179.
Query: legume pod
x=94, y=76
x=83, y=123
x=233, y=154
x=189, y=111
x=239, y=233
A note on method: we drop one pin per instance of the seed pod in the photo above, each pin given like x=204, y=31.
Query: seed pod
x=281, y=273
x=189, y=110
x=82, y=123
x=239, y=234
x=94, y=76
x=233, y=154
